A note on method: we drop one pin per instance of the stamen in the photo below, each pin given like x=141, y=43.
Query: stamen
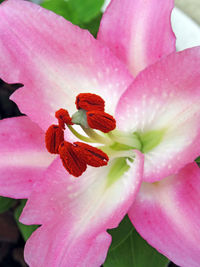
x=63, y=118
x=80, y=136
x=119, y=154
x=53, y=138
x=130, y=139
x=74, y=164
x=90, y=102
x=101, y=121
x=92, y=155
x=97, y=138
x=90, y=115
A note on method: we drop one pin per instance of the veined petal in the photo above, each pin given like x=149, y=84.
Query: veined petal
x=55, y=61
x=75, y=214
x=163, y=103
x=23, y=156
x=139, y=32
x=167, y=215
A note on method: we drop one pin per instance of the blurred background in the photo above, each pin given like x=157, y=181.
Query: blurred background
x=86, y=14
x=191, y=8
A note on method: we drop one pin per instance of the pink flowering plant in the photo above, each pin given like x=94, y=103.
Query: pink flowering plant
x=112, y=127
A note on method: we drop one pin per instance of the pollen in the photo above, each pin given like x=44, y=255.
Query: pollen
x=90, y=102
x=92, y=155
x=71, y=161
x=53, y=138
x=63, y=118
x=101, y=121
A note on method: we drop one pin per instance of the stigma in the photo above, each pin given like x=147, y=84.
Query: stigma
x=90, y=116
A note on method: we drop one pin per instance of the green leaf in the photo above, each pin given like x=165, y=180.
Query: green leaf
x=26, y=230
x=121, y=233
x=93, y=25
x=197, y=160
x=76, y=11
x=6, y=203
x=128, y=249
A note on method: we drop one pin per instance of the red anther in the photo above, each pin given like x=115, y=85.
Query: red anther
x=92, y=155
x=89, y=102
x=63, y=118
x=101, y=121
x=74, y=164
x=53, y=138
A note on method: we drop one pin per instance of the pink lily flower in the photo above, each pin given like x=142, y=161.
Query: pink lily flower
x=157, y=125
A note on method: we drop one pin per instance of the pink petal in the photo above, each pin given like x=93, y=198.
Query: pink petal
x=138, y=32
x=23, y=156
x=75, y=214
x=165, y=97
x=55, y=60
x=167, y=215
